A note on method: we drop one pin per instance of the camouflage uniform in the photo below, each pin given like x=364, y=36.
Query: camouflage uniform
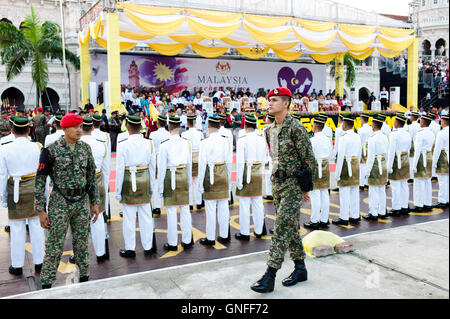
x=4, y=126
x=70, y=170
x=287, y=193
x=41, y=128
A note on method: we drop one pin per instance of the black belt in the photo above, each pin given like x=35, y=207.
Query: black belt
x=280, y=175
x=72, y=192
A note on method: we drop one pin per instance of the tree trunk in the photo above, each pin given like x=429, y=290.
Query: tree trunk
x=38, y=97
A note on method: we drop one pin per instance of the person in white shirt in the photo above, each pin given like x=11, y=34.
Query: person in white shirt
x=376, y=171
x=158, y=136
x=398, y=166
x=225, y=132
x=347, y=174
x=384, y=98
x=135, y=169
x=136, y=103
x=413, y=128
x=214, y=177
x=268, y=171
x=51, y=138
x=338, y=133
x=440, y=162
x=385, y=129
x=198, y=101
x=195, y=137
x=251, y=157
x=320, y=198
x=19, y=162
x=422, y=166
x=174, y=179
x=364, y=132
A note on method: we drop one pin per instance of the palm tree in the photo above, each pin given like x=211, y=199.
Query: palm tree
x=350, y=63
x=35, y=43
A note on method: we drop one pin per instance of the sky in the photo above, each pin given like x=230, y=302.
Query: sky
x=397, y=7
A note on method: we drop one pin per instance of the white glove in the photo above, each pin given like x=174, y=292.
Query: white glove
x=161, y=195
x=414, y=170
x=201, y=190
x=390, y=171
x=239, y=186
x=4, y=204
x=118, y=197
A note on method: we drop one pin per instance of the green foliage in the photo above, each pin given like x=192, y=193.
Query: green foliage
x=350, y=63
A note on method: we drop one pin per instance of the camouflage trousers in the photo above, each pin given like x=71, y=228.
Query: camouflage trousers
x=63, y=214
x=287, y=198
x=40, y=136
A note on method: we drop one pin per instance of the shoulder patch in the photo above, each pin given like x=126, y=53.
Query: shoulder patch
x=224, y=136
x=122, y=140
x=100, y=140
x=6, y=142
x=163, y=141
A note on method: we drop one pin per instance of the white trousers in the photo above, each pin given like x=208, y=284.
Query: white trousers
x=268, y=182
x=223, y=218
x=194, y=194
x=257, y=213
x=400, y=194
x=17, y=241
x=320, y=205
x=156, y=195
x=377, y=200
x=411, y=168
x=98, y=235
x=172, y=225
x=362, y=178
x=422, y=192
x=349, y=202
x=443, y=188
x=145, y=225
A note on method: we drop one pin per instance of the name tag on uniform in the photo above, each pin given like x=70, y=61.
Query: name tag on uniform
x=285, y=142
x=64, y=159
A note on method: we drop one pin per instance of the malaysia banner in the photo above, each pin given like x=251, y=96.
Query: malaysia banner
x=176, y=73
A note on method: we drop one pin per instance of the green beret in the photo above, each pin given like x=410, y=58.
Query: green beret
x=320, y=119
x=11, y=118
x=21, y=121
x=365, y=115
x=378, y=118
x=444, y=117
x=162, y=118
x=214, y=119
x=428, y=116
x=271, y=116
x=191, y=117
x=222, y=116
x=58, y=118
x=401, y=117
x=87, y=121
x=133, y=119
x=416, y=114
x=96, y=118
x=296, y=116
x=250, y=119
x=174, y=120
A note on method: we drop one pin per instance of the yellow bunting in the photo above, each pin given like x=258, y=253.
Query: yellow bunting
x=396, y=45
x=208, y=52
x=252, y=54
x=135, y=36
x=212, y=32
x=357, y=46
x=413, y=75
x=154, y=27
x=187, y=38
x=357, y=31
x=85, y=67
x=267, y=38
x=314, y=44
x=235, y=43
x=215, y=16
x=387, y=54
x=85, y=39
x=316, y=26
x=395, y=33
x=148, y=10
x=287, y=56
x=362, y=56
x=284, y=45
x=113, y=58
x=266, y=21
x=324, y=58
x=124, y=46
x=167, y=49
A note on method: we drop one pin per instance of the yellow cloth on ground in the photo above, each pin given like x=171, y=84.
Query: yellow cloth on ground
x=319, y=238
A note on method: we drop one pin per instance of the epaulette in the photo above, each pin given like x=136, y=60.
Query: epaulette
x=100, y=140
x=201, y=131
x=6, y=143
x=163, y=141
x=224, y=136
x=122, y=140
x=39, y=145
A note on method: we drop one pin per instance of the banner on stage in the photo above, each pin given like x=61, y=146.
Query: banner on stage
x=175, y=73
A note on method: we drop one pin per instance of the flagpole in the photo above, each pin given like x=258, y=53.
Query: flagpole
x=63, y=49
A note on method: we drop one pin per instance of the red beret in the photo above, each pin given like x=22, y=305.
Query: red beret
x=279, y=92
x=40, y=109
x=70, y=120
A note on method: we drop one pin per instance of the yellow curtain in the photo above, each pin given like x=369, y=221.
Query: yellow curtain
x=396, y=46
x=266, y=21
x=167, y=49
x=84, y=40
x=124, y=46
x=316, y=26
x=134, y=35
x=85, y=67
x=187, y=38
x=324, y=58
x=267, y=38
x=395, y=33
x=208, y=52
x=95, y=28
x=357, y=31
x=215, y=16
x=314, y=44
x=284, y=46
x=148, y=10
x=357, y=47
x=362, y=56
x=212, y=32
x=287, y=56
x=387, y=54
x=251, y=54
x=235, y=43
x=156, y=28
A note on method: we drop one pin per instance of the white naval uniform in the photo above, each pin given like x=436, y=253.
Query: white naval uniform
x=413, y=128
x=133, y=152
x=349, y=146
x=174, y=152
x=377, y=146
x=51, y=138
x=399, y=141
x=422, y=188
x=157, y=137
x=268, y=171
x=20, y=158
x=435, y=127
x=195, y=137
x=385, y=129
x=327, y=131
x=215, y=149
x=249, y=149
x=7, y=139
x=122, y=136
x=442, y=144
x=364, y=132
x=104, y=138
x=337, y=135
x=320, y=198
x=100, y=154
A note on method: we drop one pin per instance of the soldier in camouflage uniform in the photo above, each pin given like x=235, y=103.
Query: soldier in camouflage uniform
x=70, y=164
x=290, y=150
x=41, y=128
x=4, y=124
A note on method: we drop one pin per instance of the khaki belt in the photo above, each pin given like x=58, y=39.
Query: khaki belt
x=179, y=166
x=138, y=168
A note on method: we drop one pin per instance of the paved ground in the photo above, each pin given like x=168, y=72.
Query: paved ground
x=117, y=266
x=405, y=262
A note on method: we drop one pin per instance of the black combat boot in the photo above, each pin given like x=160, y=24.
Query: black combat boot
x=298, y=275
x=266, y=283
x=242, y=237
x=156, y=212
x=84, y=278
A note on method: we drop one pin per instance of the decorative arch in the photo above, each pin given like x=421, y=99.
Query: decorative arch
x=12, y=96
x=363, y=94
x=426, y=47
x=50, y=98
x=440, y=47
